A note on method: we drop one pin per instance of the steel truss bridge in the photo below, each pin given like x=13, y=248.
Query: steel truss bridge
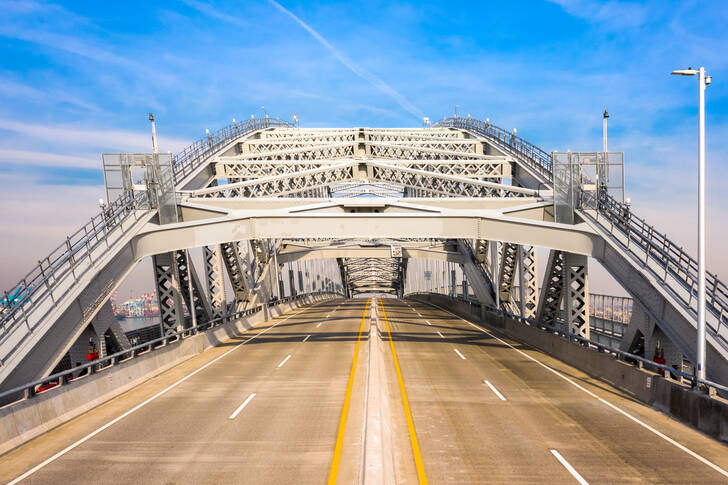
x=364, y=204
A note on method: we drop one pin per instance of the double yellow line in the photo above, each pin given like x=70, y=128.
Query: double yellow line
x=408, y=414
x=347, y=400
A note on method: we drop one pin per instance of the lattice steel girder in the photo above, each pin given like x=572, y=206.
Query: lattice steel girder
x=481, y=251
x=528, y=281
x=285, y=184
x=169, y=292
x=490, y=167
x=441, y=184
x=576, y=287
x=507, y=271
x=415, y=151
x=215, y=280
x=324, y=151
x=365, y=274
x=365, y=171
x=552, y=289
x=235, y=267
x=227, y=168
x=368, y=252
x=196, y=299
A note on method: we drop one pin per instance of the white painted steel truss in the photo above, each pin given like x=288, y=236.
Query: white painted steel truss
x=462, y=193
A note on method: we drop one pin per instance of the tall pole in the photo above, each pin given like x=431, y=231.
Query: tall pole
x=155, y=147
x=701, y=228
x=604, y=130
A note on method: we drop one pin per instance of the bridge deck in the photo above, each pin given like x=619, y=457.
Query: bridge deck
x=287, y=433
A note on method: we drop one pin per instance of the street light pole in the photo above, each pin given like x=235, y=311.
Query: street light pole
x=604, y=130
x=155, y=147
x=703, y=81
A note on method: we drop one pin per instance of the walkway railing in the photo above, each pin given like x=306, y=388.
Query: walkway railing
x=189, y=159
x=667, y=261
x=664, y=259
x=535, y=158
x=38, y=285
x=59, y=379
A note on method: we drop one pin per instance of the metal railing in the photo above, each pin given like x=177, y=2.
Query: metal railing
x=39, y=283
x=188, y=159
x=672, y=259
x=621, y=355
x=535, y=158
x=59, y=379
x=613, y=216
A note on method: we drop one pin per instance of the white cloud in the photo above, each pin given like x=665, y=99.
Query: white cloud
x=82, y=138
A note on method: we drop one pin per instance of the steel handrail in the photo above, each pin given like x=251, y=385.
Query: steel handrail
x=536, y=158
x=28, y=389
x=79, y=245
x=676, y=262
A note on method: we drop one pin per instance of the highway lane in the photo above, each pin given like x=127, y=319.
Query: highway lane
x=468, y=434
x=285, y=433
x=270, y=412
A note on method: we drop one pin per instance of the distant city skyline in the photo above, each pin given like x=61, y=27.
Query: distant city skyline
x=78, y=79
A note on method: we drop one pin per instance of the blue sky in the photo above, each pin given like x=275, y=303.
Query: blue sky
x=78, y=79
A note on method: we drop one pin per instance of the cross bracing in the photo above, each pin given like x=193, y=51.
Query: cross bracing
x=432, y=183
x=257, y=196
x=489, y=167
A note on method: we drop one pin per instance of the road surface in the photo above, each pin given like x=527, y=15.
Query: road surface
x=442, y=401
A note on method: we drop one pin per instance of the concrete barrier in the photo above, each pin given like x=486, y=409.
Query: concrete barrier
x=695, y=408
x=24, y=420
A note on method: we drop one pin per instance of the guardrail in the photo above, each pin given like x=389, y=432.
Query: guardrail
x=59, y=379
x=627, y=357
x=536, y=158
x=38, y=283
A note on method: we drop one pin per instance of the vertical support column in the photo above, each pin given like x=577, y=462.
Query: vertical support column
x=549, y=303
x=214, y=279
x=576, y=272
x=507, y=272
x=169, y=292
x=194, y=297
x=528, y=278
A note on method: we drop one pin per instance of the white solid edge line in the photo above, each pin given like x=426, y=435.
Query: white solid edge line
x=458, y=352
x=614, y=407
x=139, y=406
x=240, y=408
x=441, y=335
x=566, y=464
x=284, y=361
x=307, y=336
x=496, y=391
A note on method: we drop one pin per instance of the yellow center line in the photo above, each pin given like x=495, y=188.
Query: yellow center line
x=410, y=422
x=345, y=411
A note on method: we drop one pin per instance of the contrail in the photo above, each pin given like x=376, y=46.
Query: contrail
x=356, y=69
